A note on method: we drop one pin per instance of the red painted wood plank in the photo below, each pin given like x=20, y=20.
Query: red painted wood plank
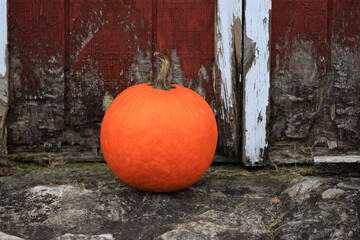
x=299, y=20
x=36, y=78
x=300, y=61
x=345, y=23
x=36, y=34
x=110, y=49
x=345, y=49
x=185, y=31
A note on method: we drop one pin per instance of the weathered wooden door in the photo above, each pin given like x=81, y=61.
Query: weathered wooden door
x=66, y=54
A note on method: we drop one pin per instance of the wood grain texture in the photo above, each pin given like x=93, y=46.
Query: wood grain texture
x=185, y=32
x=256, y=81
x=36, y=70
x=79, y=50
x=108, y=49
x=299, y=20
x=228, y=86
x=345, y=50
x=315, y=69
x=345, y=23
x=299, y=64
x=65, y=55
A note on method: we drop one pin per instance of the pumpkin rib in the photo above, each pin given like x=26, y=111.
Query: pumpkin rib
x=190, y=104
x=129, y=99
x=189, y=107
x=194, y=108
x=125, y=97
x=176, y=101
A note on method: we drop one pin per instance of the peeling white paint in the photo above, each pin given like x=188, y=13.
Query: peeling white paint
x=257, y=81
x=227, y=11
x=3, y=37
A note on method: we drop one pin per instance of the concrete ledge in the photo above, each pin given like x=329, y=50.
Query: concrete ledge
x=337, y=159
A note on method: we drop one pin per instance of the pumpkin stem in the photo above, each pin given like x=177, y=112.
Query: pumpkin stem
x=161, y=82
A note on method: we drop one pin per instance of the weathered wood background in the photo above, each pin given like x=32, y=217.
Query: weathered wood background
x=64, y=55
x=315, y=79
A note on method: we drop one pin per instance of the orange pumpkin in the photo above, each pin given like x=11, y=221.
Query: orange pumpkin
x=159, y=137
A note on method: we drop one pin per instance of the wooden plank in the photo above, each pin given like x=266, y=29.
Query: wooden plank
x=36, y=70
x=228, y=40
x=297, y=21
x=301, y=96
x=256, y=80
x=315, y=68
x=345, y=63
x=345, y=20
x=185, y=32
x=109, y=49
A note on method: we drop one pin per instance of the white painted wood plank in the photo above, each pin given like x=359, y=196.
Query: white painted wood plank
x=227, y=11
x=337, y=159
x=3, y=36
x=228, y=29
x=256, y=80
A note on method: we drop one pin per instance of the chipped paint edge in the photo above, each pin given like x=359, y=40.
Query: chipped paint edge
x=3, y=37
x=256, y=82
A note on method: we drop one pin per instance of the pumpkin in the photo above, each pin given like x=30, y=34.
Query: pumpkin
x=157, y=136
